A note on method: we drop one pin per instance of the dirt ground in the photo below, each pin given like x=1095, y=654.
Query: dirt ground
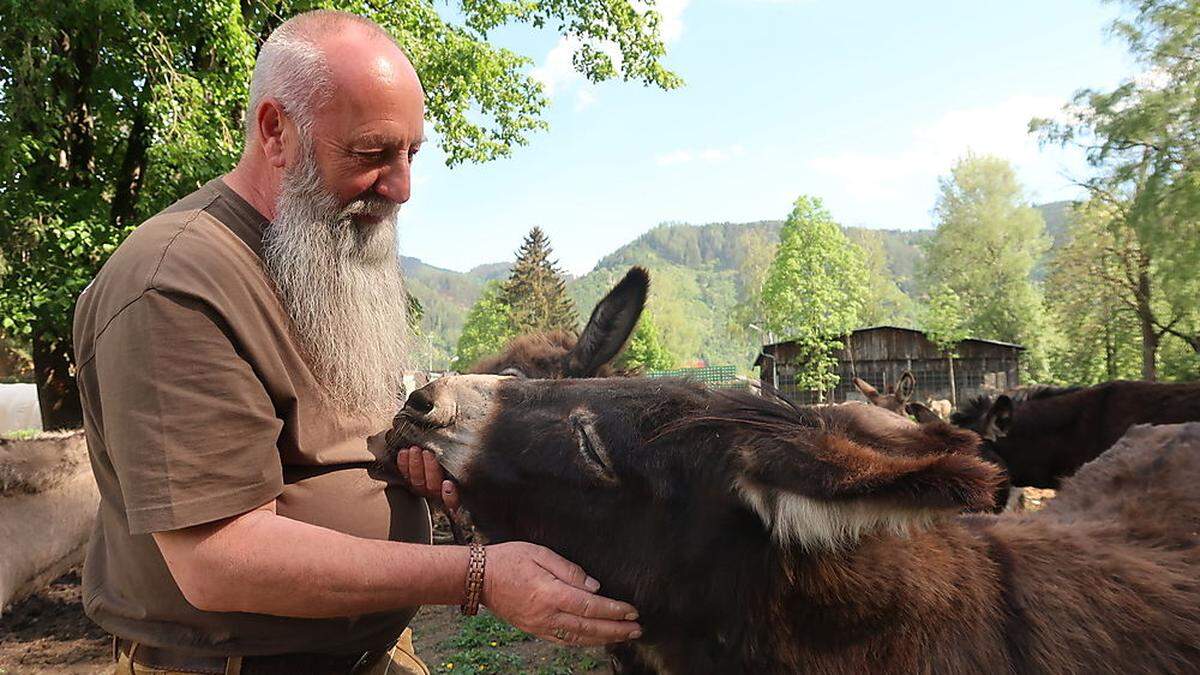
x=48, y=633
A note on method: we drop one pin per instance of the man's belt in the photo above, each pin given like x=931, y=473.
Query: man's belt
x=279, y=664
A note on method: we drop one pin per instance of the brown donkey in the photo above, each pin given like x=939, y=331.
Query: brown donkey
x=1045, y=433
x=897, y=401
x=759, y=537
x=560, y=354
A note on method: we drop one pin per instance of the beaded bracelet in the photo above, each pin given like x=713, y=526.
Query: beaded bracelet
x=470, y=604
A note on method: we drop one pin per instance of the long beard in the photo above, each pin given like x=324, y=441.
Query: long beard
x=340, y=284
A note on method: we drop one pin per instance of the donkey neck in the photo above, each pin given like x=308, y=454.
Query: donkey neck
x=851, y=604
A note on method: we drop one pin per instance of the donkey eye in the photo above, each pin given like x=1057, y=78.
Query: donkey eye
x=514, y=372
x=591, y=446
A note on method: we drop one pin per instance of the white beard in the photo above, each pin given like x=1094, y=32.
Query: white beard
x=340, y=284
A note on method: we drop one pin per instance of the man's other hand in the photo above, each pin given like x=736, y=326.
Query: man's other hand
x=540, y=592
x=424, y=476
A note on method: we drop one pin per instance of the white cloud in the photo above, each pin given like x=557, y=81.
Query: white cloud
x=584, y=98
x=556, y=70
x=1001, y=129
x=671, y=12
x=557, y=73
x=709, y=155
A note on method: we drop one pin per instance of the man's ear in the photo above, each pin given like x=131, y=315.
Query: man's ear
x=826, y=488
x=611, y=324
x=999, y=418
x=271, y=132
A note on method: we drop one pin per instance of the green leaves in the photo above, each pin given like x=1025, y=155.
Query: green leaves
x=113, y=109
x=488, y=328
x=987, y=243
x=813, y=290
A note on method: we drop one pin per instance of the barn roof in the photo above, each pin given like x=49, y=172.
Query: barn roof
x=868, y=329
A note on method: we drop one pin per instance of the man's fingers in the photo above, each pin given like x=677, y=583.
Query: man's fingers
x=416, y=469
x=592, y=606
x=450, y=496
x=566, y=571
x=402, y=462
x=433, y=470
x=574, y=630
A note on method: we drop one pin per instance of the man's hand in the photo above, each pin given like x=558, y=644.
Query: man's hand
x=542, y=593
x=424, y=475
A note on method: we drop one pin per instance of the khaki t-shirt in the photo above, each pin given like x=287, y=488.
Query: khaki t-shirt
x=198, y=406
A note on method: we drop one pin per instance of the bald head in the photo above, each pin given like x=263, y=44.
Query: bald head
x=306, y=58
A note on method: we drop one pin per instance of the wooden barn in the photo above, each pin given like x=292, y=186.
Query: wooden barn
x=879, y=355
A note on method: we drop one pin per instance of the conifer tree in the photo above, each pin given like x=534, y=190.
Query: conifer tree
x=536, y=291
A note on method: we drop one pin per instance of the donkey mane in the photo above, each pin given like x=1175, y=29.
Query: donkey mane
x=852, y=458
x=978, y=406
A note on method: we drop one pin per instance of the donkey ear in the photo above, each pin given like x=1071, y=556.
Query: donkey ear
x=999, y=418
x=922, y=413
x=610, y=325
x=906, y=386
x=826, y=490
x=867, y=390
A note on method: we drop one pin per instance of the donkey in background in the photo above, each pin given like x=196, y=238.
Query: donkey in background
x=755, y=536
x=897, y=401
x=560, y=354
x=1043, y=434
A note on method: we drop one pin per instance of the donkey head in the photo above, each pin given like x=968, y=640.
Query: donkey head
x=636, y=479
x=560, y=354
x=989, y=417
x=897, y=397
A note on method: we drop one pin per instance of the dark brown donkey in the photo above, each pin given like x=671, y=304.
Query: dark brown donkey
x=897, y=401
x=559, y=354
x=1043, y=434
x=759, y=537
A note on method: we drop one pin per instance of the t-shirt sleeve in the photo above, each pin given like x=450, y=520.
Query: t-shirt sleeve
x=190, y=429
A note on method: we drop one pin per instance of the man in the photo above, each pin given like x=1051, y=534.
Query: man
x=239, y=360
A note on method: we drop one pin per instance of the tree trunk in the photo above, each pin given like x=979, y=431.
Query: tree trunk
x=58, y=393
x=1150, y=334
x=953, y=387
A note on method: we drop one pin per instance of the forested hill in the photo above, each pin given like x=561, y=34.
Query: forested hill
x=697, y=276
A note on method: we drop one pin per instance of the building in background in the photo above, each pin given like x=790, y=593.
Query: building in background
x=879, y=355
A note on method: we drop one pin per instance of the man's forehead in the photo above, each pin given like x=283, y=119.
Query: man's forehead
x=376, y=90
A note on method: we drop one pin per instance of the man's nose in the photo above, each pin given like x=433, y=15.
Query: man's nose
x=394, y=182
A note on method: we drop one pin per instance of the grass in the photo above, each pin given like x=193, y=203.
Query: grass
x=485, y=644
x=21, y=434
x=479, y=647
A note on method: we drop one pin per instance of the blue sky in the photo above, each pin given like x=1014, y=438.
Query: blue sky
x=862, y=104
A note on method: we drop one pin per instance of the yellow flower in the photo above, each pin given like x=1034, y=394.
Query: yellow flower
x=492, y=643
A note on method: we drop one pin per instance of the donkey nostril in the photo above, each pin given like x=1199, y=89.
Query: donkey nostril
x=420, y=402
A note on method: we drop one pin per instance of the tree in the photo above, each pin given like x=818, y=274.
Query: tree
x=488, y=328
x=987, y=242
x=813, y=290
x=1097, y=332
x=945, y=327
x=536, y=292
x=111, y=110
x=646, y=350
x=1143, y=141
x=884, y=302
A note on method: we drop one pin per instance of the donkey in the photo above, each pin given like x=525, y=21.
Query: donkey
x=755, y=536
x=897, y=401
x=560, y=354
x=1044, y=433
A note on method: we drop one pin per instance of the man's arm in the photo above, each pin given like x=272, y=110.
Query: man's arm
x=267, y=564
